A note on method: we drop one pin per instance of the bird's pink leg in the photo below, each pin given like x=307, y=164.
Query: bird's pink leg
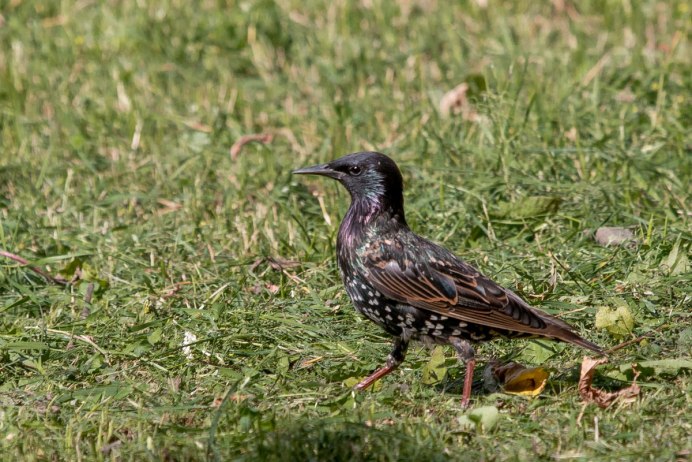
x=395, y=358
x=468, y=380
x=466, y=355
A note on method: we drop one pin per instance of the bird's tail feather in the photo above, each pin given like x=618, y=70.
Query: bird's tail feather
x=571, y=337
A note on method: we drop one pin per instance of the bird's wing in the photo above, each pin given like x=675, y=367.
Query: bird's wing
x=448, y=286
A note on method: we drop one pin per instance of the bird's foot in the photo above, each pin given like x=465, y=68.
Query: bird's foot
x=374, y=377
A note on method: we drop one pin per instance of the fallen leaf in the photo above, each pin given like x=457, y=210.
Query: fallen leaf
x=263, y=138
x=607, y=236
x=456, y=102
x=619, y=321
x=168, y=206
x=483, y=418
x=600, y=397
x=677, y=262
x=516, y=379
x=435, y=370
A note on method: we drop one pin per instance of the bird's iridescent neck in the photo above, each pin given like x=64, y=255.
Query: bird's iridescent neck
x=367, y=214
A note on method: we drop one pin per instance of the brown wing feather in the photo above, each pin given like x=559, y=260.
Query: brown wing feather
x=455, y=289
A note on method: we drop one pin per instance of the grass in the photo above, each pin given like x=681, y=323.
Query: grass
x=116, y=120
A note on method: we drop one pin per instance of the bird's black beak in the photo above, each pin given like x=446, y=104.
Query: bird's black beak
x=322, y=169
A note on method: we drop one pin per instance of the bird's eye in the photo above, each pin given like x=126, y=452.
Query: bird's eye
x=355, y=170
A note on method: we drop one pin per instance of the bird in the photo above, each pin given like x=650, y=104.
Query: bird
x=413, y=288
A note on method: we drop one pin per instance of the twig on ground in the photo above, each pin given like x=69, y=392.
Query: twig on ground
x=634, y=340
x=54, y=279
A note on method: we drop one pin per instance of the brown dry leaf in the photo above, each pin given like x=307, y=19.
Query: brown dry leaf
x=455, y=102
x=263, y=138
x=168, y=206
x=600, y=397
x=517, y=379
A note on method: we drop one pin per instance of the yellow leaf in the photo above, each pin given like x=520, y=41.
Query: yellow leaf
x=619, y=321
x=435, y=370
x=516, y=379
x=529, y=382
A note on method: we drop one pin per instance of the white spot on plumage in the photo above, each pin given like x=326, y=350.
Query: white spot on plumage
x=433, y=318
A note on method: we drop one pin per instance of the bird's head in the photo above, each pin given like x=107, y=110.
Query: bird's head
x=371, y=178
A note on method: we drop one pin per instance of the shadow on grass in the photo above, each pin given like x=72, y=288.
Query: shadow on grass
x=333, y=441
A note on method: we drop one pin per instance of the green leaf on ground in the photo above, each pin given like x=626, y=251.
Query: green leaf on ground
x=618, y=321
x=481, y=419
x=435, y=370
x=677, y=260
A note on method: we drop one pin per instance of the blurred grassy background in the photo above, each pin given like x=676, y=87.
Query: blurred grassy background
x=116, y=120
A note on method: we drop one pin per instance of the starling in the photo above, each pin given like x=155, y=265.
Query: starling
x=413, y=288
